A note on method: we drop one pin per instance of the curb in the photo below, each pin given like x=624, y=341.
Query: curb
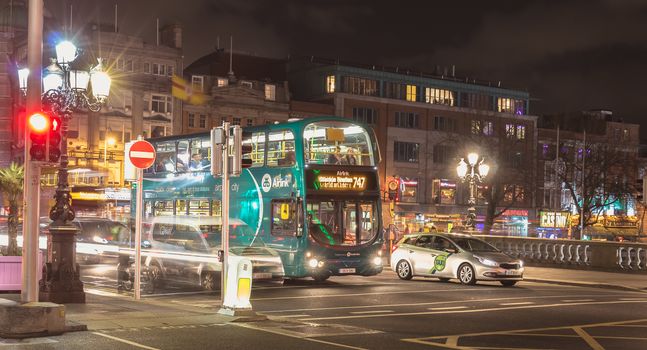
x=584, y=284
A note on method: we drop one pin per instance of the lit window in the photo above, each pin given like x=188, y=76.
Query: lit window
x=222, y=82
x=247, y=84
x=521, y=132
x=330, y=84
x=411, y=93
x=477, y=126
x=488, y=128
x=270, y=92
x=439, y=96
x=509, y=130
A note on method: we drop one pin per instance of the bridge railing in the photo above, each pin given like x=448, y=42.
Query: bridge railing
x=620, y=256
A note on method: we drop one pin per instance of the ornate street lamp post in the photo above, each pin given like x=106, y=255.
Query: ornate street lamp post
x=66, y=90
x=473, y=172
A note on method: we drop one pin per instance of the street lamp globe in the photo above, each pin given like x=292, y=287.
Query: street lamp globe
x=65, y=52
x=111, y=141
x=461, y=169
x=79, y=80
x=100, y=82
x=53, y=77
x=23, y=74
x=472, y=158
x=484, y=169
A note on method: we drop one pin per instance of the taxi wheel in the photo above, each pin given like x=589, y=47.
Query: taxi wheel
x=508, y=283
x=466, y=274
x=404, y=270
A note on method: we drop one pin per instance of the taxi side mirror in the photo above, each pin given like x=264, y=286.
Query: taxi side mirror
x=451, y=250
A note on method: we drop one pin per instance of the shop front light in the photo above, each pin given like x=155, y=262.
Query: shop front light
x=377, y=261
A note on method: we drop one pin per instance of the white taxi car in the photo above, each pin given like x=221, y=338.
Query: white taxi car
x=448, y=256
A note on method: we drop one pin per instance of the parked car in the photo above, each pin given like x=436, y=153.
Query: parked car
x=448, y=256
x=187, y=247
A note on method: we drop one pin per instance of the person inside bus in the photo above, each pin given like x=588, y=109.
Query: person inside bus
x=197, y=162
x=349, y=158
x=334, y=157
x=289, y=159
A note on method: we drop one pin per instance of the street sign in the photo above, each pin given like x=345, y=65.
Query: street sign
x=142, y=154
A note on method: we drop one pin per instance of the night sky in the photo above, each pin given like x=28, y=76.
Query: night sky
x=569, y=54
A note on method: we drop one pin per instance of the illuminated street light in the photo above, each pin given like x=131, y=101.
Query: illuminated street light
x=473, y=172
x=66, y=90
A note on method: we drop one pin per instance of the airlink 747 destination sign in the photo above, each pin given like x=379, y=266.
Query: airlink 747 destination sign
x=340, y=180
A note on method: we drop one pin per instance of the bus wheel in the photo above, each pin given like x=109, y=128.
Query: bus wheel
x=210, y=281
x=320, y=277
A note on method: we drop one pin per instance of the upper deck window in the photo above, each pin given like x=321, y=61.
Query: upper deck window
x=280, y=148
x=337, y=142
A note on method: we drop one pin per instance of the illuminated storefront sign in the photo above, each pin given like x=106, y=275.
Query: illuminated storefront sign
x=340, y=180
x=558, y=219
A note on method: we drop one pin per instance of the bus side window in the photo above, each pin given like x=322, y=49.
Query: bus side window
x=283, y=217
x=280, y=148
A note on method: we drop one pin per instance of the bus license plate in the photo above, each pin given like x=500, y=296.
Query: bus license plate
x=262, y=275
x=348, y=270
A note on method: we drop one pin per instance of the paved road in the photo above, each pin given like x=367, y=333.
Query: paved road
x=383, y=312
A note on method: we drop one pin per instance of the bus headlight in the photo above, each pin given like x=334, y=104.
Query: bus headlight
x=377, y=261
x=313, y=263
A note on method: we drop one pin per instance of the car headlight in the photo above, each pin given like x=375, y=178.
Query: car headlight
x=377, y=261
x=98, y=239
x=313, y=263
x=485, y=261
x=520, y=263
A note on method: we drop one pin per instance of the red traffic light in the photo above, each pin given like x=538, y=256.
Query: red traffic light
x=38, y=123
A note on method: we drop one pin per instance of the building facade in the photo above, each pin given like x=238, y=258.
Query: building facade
x=424, y=125
x=602, y=163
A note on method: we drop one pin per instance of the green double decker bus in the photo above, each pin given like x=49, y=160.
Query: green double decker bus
x=311, y=194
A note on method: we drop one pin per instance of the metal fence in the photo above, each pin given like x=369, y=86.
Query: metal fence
x=573, y=253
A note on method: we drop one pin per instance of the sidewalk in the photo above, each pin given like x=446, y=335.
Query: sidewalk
x=587, y=278
x=110, y=312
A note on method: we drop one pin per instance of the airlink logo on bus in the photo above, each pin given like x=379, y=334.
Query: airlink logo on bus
x=279, y=181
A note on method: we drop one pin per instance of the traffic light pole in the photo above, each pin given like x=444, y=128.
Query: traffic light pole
x=31, y=196
x=225, y=212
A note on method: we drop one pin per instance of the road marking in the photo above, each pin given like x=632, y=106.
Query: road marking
x=519, y=303
x=249, y=326
x=633, y=299
x=519, y=307
x=125, y=341
x=431, y=303
x=364, y=294
x=371, y=312
x=452, y=340
x=447, y=308
x=575, y=300
x=295, y=316
x=18, y=342
x=588, y=339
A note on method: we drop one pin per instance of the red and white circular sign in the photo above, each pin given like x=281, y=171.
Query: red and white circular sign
x=142, y=154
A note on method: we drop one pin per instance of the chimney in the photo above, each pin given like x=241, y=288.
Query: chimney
x=172, y=35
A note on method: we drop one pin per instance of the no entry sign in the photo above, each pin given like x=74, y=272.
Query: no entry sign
x=142, y=154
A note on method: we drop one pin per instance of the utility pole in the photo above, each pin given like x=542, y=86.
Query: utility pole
x=31, y=197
